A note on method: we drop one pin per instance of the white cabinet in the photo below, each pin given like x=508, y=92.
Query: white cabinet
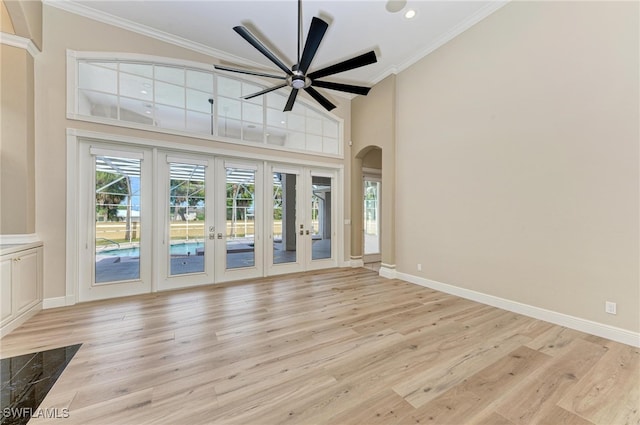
x=20, y=284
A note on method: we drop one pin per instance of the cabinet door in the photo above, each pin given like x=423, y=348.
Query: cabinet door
x=26, y=280
x=6, y=294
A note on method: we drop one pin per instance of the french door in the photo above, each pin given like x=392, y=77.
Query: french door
x=301, y=231
x=186, y=245
x=115, y=235
x=155, y=220
x=238, y=227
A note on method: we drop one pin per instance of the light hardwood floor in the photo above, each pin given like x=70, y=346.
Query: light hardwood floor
x=341, y=346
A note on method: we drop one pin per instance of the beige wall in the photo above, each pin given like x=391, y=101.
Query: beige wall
x=5, y=20
x=373, y=159
x=373, y=125
x=26, y=18
x=17, y=181
x=517, y=150
x=62, y=31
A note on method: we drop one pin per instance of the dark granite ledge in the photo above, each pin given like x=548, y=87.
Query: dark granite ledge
x=26, y=380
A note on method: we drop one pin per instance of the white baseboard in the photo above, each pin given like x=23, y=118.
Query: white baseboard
x=388, y=271
x=594, y=328
x=54, y=302
x=357, y=262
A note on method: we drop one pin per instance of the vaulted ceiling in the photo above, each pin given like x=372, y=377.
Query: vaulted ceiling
x=355, y=27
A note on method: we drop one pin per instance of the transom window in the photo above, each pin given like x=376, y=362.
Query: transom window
x=187, y=99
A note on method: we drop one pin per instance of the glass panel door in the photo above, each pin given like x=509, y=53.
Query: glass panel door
x=240, y=226
x=285, y=239
x=321, y=223
x=115, y=223
x=186, y=249
x=371, y=219
x=239, y=223
x=285, y=255
x=187, y=213
x=118, y=221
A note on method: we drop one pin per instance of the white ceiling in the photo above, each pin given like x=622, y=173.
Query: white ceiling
x=355, y=27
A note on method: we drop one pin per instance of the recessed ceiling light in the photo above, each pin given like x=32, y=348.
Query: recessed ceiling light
x=410, y=14
x=143, y=91
x=282, y=122
x=147, y=112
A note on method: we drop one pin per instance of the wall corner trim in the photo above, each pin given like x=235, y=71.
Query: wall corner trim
x=19, y=42
x=583, y=325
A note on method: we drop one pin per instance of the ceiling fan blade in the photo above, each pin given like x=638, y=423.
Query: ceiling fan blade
x=265, y=91
x=291, y=100
x=320, y=98
x=353, y=63
x=342, y=87
x=244, y=33
x=316, y=33
x=248, y=72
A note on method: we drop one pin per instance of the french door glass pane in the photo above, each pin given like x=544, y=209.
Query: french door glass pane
x=371, y=216
x=284, y=218
x=186, y=218
x=240, y=230
x=117, y=219
x=321, y=217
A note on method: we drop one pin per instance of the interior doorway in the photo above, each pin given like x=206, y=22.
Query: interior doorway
x=371, y=206
x=372, y=187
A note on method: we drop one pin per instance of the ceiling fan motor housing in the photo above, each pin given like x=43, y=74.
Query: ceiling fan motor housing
x=298, y=80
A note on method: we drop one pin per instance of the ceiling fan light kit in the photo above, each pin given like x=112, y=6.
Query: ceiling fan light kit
x=297, y=77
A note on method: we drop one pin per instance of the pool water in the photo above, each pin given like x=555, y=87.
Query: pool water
x=177, y=249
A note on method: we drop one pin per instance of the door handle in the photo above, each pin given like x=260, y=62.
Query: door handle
x=219, y=235
x=301, y=232
x=307, y=232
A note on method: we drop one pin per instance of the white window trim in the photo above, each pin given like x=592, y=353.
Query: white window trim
x=72, y=101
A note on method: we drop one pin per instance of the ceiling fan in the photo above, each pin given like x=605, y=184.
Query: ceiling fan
x=298, y=76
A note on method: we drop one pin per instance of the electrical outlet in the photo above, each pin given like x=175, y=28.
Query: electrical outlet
x=610, y=307
x=419, y=267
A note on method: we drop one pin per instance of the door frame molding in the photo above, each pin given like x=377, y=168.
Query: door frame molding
x=75, y=136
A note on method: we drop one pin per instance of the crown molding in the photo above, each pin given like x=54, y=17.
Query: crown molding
x=487, y=10
x=19, y=42
x=106, y=18
x=96, y=15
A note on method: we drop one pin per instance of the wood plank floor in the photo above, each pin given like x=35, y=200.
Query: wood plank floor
x=340, y=346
